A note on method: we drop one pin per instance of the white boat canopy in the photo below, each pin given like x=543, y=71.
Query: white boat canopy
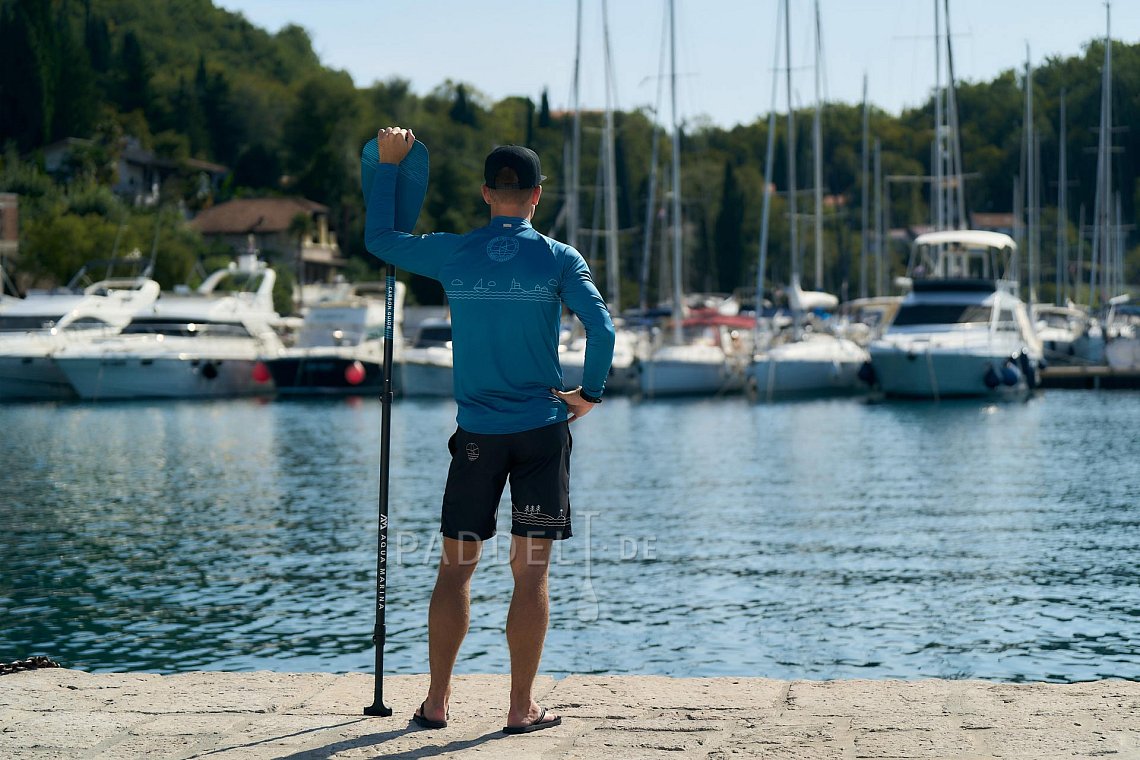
x=967, y=238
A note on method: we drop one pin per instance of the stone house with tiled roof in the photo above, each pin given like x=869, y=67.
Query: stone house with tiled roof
x=264, y=224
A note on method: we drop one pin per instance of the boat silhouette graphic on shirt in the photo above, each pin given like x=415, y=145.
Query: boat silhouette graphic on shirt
x=486, y=290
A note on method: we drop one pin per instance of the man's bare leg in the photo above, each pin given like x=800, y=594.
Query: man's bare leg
x=526, y=624
x=448, y=617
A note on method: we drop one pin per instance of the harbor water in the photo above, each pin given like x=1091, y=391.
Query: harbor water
x=822, y=539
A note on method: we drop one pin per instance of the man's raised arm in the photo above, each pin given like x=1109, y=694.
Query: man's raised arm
x=422, y=255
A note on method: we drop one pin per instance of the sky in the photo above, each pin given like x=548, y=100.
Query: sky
x=725, y=48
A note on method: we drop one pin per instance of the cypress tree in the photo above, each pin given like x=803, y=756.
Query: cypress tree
x=461, y=111
x=75, y=86
x=134, y=76
x=28, y=72
x=544, y=111
x=97, y=40
x=728, y=234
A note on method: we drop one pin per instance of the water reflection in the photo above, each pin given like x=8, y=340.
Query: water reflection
x=824, y=539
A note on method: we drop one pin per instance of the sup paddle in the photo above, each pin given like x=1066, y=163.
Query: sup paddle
x=411, y=187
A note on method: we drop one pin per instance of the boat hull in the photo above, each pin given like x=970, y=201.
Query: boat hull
x=821, y=366
x=1123, y=352
x=325, y=376
x=622, y=378
x=105, y=378
x=678, y=377
x=32, y=378
x=940, y=374
x=419, y=378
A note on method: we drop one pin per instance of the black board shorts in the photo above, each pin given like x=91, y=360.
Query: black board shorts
x=537, y=462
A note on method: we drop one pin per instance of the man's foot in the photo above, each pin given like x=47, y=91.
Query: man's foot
x=543, y=720
x=425, y=717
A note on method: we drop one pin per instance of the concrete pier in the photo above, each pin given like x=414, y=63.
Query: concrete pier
x=61, y=713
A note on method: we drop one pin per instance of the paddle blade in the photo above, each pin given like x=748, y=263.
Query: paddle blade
x=411, y=181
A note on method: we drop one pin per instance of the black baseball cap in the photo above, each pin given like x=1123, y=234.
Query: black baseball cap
x=523, y=160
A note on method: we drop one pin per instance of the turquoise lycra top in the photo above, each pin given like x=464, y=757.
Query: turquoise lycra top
x=506, y=284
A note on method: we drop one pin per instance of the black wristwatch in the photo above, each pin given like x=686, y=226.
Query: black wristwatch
x=587, y=397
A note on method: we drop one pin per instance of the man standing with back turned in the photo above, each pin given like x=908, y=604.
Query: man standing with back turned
x=506, y=284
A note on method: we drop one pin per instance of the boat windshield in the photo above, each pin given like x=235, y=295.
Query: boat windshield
x=23, y=324
x=942, y=314
x=433, y=336
x=187, y=329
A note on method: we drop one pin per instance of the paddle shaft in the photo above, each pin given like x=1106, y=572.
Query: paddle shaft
x=379, y=633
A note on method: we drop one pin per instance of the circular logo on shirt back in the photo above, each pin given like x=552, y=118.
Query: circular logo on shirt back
x=502, y=248
x=472, y=452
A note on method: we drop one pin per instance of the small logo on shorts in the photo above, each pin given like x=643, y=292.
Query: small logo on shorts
x=472, y=452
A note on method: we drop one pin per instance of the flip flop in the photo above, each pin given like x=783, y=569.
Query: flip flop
x=538, y=725
x=424, y=722
x=411, y=181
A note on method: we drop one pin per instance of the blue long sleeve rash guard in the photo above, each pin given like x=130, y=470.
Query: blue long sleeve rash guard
x=506, y=284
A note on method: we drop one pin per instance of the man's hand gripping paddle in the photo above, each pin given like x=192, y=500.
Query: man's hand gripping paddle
x=411, y=187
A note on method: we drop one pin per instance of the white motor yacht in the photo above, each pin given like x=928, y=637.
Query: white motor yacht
x=340, y=345
x=32, y=331
x=962, y=330
x=426, y=365
x=201, y=345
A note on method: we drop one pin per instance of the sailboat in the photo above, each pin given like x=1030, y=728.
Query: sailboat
x=572, y=350
x=1121, y=326
x=707, y=354
x=812, y=362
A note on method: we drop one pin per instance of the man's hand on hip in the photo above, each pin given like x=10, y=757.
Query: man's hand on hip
x=393, y=144
x=578, y=406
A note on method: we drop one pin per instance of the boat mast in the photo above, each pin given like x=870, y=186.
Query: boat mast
x=1103, y=200
x=955, y=150
x=880, y=281
x=613, y=273
x=1080, y=254
x=769, y=162
x=678, y=294
x=939, y=218
x=1062, y=215
x=793, y=220
x=817, y=159
x=572, y=192
x=866, y=191
x=651, y=201
x=1030, y=182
